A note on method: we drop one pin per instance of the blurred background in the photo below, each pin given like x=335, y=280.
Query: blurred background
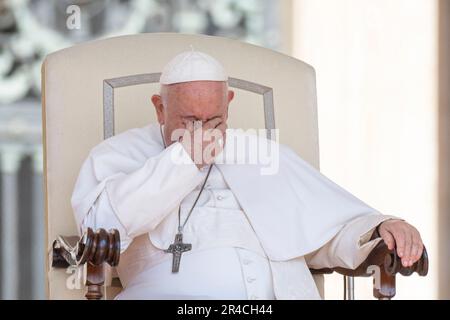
x=383, y=77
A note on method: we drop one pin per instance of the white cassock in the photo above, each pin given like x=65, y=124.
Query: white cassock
x=253, y=236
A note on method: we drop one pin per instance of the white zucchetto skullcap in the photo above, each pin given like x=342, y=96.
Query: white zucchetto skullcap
x=192, y=66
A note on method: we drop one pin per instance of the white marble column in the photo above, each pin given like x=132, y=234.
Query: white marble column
x=10, y=157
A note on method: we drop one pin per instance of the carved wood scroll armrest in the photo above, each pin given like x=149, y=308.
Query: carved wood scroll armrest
x=93, y=248
x=383, y=264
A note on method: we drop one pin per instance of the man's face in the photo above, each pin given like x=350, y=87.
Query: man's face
x=186, y=102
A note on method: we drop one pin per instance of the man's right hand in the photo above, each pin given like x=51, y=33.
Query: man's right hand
x=204, y=142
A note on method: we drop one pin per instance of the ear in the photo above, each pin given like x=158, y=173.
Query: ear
x=230, y=95
x=159, y=107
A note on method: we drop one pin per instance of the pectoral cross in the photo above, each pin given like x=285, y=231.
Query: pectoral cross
x=177, y=248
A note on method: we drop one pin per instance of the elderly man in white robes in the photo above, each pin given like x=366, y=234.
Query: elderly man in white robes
x=194, y=227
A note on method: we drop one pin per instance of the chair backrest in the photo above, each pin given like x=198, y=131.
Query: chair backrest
x=93, y=90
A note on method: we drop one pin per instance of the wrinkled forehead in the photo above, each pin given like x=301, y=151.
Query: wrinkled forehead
x=199, y=99
x=197, y=91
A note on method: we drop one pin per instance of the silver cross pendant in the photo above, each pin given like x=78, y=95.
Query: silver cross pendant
x=177, y=249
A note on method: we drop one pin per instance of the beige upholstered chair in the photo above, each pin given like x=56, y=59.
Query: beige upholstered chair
x=97, y=89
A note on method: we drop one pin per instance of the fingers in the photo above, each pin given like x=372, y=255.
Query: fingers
x=388, y=239
x=215, y=141
x=222, y=127
x=212, y=124
x=215, y=133
x=405, y=237
x=190, y=126
x=399, y=237
x=419, y=252
x=409, y=245
x=414, y=253
x=406, y=259
x=417, y=246
x=206, y=139
x=404, y=244
x=183, y=135
x=198, y=124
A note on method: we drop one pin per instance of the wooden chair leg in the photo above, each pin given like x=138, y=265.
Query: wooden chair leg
x=95, y=279
x=385, y=289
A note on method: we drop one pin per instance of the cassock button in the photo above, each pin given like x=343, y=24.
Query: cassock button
x=250, y=279
x=247, y=261
x=219, y=198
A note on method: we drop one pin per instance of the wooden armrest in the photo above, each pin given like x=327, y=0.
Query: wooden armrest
x=387, y=264
x=93, y=248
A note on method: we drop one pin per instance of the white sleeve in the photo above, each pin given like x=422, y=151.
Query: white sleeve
x=134, y=202
x=102, y=215
x=350, y=246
